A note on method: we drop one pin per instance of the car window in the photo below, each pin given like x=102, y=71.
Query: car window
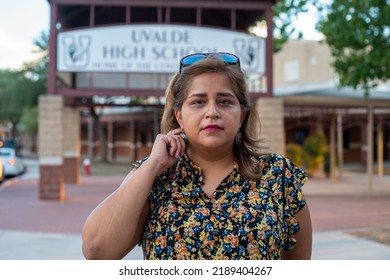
x=6, y=152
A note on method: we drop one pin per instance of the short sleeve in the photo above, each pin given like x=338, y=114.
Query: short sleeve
x=294, y=179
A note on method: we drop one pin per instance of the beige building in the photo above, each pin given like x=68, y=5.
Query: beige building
x=357, y=128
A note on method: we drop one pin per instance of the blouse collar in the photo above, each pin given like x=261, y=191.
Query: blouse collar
x=186, y=159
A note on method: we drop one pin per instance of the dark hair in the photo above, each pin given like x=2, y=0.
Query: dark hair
x=177, y=92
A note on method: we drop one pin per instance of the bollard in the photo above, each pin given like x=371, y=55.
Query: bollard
x=87, y=166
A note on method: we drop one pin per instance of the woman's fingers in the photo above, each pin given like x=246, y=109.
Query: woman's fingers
x=168, y=148
x=176, y=145
x=176, y=131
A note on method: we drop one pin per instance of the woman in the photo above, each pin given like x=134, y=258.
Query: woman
x=205, y=191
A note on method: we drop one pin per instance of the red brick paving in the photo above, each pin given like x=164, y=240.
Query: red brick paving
x=334, y=212
x=21, y=209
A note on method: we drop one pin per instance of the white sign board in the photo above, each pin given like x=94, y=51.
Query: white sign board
x=151, y=48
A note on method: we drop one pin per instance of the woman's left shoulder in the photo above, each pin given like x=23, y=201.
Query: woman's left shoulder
x=292, y=171
x=271, y=160
x=277, y=162
x=278, y=159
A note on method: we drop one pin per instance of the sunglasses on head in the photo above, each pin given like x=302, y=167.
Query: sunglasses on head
x=193, y=58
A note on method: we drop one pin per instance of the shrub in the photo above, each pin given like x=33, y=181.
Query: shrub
x=294, y=152
x=314, y=149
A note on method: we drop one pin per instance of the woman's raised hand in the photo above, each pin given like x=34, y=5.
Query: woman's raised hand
x=167, y=148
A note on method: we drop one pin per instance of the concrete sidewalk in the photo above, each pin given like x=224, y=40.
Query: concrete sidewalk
x=47, y=230
x=22, y=245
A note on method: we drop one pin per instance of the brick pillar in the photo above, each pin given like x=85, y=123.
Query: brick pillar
x=271, y=113
x=71, y=145
x=50, y=142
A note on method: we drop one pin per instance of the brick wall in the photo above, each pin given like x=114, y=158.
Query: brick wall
x=270, y=111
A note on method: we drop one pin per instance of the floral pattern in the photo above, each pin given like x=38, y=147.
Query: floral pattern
x=243, y=219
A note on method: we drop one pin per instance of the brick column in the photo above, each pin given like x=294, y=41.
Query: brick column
x=50, y=147
x=71, y=145
x=271, y=115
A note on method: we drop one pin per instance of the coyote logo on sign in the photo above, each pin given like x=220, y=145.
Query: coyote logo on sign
x=248, y=51
x=76, y=50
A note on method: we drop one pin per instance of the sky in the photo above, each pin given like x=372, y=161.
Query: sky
x=22, y=21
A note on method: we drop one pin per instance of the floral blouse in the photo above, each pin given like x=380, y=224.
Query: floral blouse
x=243, y=219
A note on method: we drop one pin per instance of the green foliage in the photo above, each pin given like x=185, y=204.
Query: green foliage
x=315, y=145
x=358, y=33
x=294, y=152
x=19, y=90
x=29, y=120
x=37, y=69
x=327, y=163
x=16, y=93
x=311, y=156
x=314, y=149
x=285, y=12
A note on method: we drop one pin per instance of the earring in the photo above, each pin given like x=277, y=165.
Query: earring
x=238, y=138
x=184, y=137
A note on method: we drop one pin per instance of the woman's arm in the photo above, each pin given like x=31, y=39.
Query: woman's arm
x=117, y=224
x=303, y=247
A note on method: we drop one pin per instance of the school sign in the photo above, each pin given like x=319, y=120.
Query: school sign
x=151, y=48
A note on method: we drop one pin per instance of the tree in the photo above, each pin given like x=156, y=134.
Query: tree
x=17, y=92
x=358, y=33
x=37, y=69
x=285, y=12
x=29, y=120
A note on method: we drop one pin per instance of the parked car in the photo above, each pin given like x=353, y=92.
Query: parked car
x=11, y=143
x=1, y=171
x=13, y=165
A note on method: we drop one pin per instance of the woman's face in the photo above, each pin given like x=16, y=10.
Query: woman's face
x=211, y=113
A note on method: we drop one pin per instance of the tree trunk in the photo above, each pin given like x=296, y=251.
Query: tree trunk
x=13, y=130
